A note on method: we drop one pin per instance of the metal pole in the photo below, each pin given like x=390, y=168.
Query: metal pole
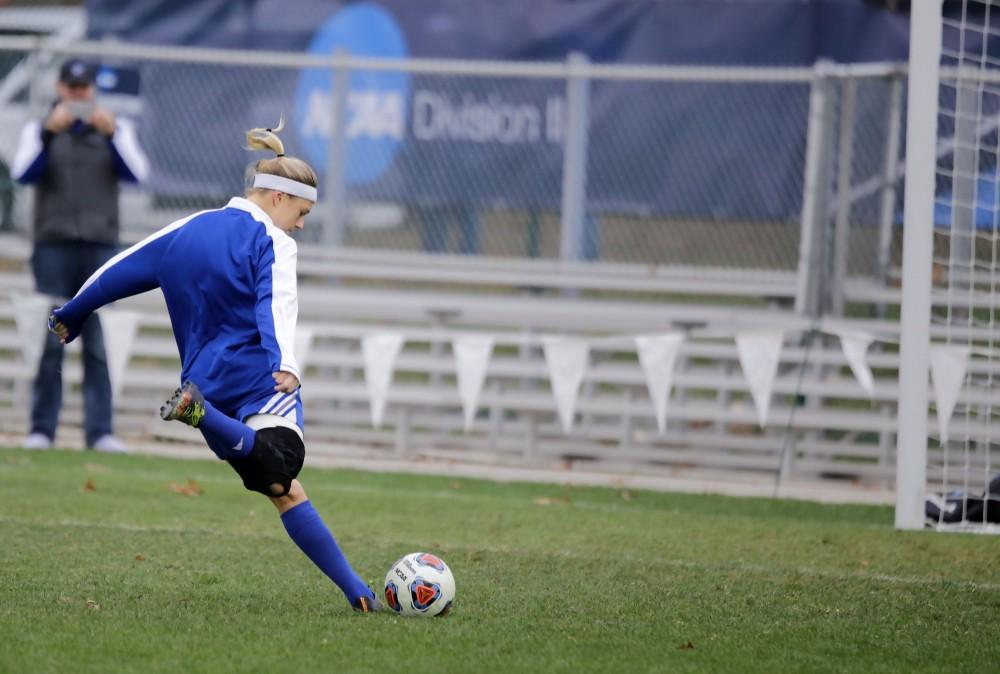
x=36, y=61
x=918, y=240
x=887, y=218
x=815, y=193
x=845, y=159
x=963, y=199
x=335, y=190
x=571, y=244
x=887, y=213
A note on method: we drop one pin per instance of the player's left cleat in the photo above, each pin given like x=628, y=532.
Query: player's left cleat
x=187, y=405
x=368, y=604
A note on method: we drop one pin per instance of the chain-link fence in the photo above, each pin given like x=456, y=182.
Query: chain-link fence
x=709, y=167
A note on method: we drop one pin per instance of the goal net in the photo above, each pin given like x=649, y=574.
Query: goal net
x=960, y=232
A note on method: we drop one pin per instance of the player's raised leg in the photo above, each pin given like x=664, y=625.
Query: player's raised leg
x=226, y=436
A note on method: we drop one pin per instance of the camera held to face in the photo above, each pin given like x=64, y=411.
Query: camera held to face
x=81, y=110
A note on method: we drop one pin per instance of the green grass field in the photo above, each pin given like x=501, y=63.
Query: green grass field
x=105, y=568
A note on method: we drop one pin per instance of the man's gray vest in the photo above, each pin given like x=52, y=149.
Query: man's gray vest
x=77, y=196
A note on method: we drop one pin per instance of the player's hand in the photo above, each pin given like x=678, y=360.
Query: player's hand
x=286, y=382
x=59, y=328
x=59, y=119
x=103, y=120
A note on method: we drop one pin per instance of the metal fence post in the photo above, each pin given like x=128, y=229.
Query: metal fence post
x=333, y=232
x=574, y=186
x=815, y=193
x=887, y=220
x=963, y=200
x=845, y=162
x=404, y=442
x=35, y=64
x=887, y=214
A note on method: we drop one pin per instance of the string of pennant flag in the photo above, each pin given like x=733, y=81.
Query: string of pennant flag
x=566, y=358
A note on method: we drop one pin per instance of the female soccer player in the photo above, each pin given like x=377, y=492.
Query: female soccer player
x=228, y=277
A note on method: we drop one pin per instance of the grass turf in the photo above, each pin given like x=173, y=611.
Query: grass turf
x=105, y=565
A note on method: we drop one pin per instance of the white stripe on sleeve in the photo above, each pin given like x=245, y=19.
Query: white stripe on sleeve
x=29, y=146
x=127, y=144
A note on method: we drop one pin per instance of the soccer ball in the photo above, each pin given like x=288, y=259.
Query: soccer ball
x=420, y=584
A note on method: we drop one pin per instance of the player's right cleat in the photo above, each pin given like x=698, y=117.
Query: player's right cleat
x=187, y=405
x=367, y=604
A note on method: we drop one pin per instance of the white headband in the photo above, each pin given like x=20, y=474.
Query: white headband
x=294, y=187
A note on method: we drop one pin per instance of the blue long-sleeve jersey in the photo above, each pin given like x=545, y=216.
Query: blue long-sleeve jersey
x=228, y=277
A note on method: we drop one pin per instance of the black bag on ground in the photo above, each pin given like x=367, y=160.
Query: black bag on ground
x=960, y=507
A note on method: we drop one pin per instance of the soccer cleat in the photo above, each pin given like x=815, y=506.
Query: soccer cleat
x=187, y=405
x=367, y=604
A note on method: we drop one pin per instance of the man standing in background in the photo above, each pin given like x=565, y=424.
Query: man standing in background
x=75, y=158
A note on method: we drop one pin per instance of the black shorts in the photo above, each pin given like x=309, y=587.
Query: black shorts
x=276, y=457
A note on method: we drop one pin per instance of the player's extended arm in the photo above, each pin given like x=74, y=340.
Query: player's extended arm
x=131, y=272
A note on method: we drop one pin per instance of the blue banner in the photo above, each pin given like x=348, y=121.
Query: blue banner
x=707, y=150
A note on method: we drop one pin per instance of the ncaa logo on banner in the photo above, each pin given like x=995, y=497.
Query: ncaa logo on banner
x=375, y=121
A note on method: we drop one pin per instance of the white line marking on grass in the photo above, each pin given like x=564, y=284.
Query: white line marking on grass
x=739, y=567
x=69, y=522
x=829, y=574
x=455, y=495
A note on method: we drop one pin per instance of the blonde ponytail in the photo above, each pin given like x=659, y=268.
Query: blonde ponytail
x=267, y=139
x=286, y=167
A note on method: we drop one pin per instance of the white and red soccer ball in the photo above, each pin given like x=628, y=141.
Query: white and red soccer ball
x=419, y=584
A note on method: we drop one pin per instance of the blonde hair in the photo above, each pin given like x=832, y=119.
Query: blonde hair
x=286, y=167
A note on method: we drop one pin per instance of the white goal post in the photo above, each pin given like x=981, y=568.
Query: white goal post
x=918, y=233
x=950, y=313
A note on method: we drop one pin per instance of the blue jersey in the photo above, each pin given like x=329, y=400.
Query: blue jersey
x=228, y=277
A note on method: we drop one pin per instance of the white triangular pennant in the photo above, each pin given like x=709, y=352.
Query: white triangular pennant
x=379, y=352
x=759, y=351
x=472, y=355
x=855, y=346
x=303, y=346
x=119, y=328
x=657, y=355
x=948, y=365
x=567, y=359
x=31, y=314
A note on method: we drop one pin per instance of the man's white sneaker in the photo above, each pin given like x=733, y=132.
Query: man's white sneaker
x=110, y=444
x=36, y=441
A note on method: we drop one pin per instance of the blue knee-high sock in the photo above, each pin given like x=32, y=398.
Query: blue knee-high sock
x=228, y=438
x=306, y=528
